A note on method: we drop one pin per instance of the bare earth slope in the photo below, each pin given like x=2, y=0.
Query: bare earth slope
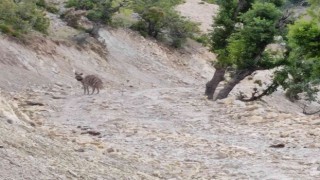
x=199, y=11
x=150, y=122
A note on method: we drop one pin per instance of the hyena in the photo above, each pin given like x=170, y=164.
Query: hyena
x=90, y=80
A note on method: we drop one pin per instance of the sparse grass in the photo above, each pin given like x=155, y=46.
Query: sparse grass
x=53, y=9
x=7, y=29
x=203, y=39
x=259, y=82
x=209, y=1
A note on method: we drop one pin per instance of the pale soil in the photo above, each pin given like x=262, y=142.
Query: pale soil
x=200, y=12
x=153, y=119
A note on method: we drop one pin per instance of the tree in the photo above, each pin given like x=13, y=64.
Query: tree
x=224, y=25
x=159, y=20
x=242, y=31
x=154, y=18
x=302, y=73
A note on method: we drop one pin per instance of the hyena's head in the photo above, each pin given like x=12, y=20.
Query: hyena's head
x=79, y=76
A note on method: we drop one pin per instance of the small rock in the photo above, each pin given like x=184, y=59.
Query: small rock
x=245, y=114
x=256, y=119
x=39, y=123
x=315, y=145
x=59, y=84
x=93, y=133
x=221, y=155
x=279, y=145
x=316, y=122
x=284, y=134
x=32, y=103
x=57, y=97
x=1, y=146
x=84, y=128
x=252, y=107
x=73, y=173
x=9, y=121
x=227, y=101
x=110, y=150
x=284, y=116
x=240, y=103
x=271, y=115
x=287, y=158
x=80, y=150
x=259, y=111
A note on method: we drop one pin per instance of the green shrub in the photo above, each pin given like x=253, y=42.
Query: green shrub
x=210, y=1
x=203, y=39
x=41, y=3
x=9, y=30
x=140, y=27
x=122, y=20
x=72, y=3
x=159, y=20
x=53, y=9
x=18, y=18
x=86, y=5
x=94, y=15
x=100, y=11
x=41, y=24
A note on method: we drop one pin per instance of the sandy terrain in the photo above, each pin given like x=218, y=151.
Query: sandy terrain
x=150, y=122
x=200, y=12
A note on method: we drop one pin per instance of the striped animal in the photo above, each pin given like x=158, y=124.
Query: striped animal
x=90, y=80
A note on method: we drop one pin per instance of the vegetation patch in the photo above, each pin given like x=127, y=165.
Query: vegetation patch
x=210, y=1
x=19, y=17
x=154, y=18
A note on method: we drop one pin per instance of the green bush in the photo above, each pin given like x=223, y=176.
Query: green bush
x=41, y=3
x=72, y=3
x=140, y=27
x=19, y=18
x=160, y=21
x=86, y=5
x=9, y=30
x=172, y=29
x=100, y=11
x=53, y=9
x=122, y=20
x=203, y=39
x=210, y=1
x=41, y=24
x=94, y=15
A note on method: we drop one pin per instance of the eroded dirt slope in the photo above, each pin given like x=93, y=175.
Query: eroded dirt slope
x=150, y=122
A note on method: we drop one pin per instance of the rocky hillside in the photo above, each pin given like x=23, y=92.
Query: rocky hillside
x=151, y=121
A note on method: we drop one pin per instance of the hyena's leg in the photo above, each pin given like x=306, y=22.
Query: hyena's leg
x=84, y=89
x=98, y=90
x=87, y=89
x=93, y=89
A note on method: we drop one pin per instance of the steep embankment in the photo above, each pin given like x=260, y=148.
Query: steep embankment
x=150, y=122
x=200, y=12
